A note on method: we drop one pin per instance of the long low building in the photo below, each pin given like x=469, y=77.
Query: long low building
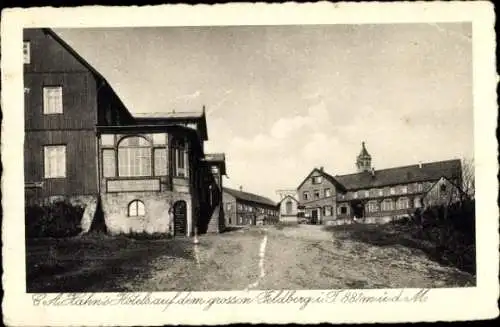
x=378, y=195
x=244, y=208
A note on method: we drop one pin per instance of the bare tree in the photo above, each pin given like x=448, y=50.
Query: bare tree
x=468, y=180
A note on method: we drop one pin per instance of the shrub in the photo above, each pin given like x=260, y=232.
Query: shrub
x=58, y=219
x=452, y=231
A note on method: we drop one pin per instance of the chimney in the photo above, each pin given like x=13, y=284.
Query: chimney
x=241, y=188
x=373, y=172
x=321, y=168
x=420, y=164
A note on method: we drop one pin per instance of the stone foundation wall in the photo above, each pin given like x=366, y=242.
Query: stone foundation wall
x=157, y=218
x=88, y=202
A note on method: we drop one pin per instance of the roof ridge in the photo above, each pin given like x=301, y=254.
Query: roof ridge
x=399, y=167
x=249, y=193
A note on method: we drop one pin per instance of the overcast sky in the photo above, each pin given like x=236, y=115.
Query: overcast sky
x=282, y=100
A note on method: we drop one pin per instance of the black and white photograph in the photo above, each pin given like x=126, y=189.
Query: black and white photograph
x=249, y=157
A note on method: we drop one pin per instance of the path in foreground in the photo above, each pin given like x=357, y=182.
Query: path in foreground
x=303, y=257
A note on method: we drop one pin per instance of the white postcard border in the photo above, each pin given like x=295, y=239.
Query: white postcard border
x=442, y=304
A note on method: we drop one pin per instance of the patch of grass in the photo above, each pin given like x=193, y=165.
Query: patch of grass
x=96, y=262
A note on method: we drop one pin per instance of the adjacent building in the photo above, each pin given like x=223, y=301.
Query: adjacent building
x=143, y=173
x=290, y=210
x=378, y=195
x=244, y=208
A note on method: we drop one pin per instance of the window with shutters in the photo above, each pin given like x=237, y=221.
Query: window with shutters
x=52, y=100
x=403, y=203
x=387, y=205
x=327, y=210
x=372, y=206
x=54, y=161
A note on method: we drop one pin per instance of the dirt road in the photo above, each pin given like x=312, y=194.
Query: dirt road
x=303, y=257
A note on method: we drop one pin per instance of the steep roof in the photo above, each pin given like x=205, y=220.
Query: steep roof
x=364, y=153
x=249, y=197
x=329, y=177
x=450, y=169
x=86, y=64
x=288, y=197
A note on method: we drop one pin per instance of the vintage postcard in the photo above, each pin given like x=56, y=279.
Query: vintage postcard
x=284, y=163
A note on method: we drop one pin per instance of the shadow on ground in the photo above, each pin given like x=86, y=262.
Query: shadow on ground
x=76, y=264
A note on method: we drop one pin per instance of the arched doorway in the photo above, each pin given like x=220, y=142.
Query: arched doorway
x=180, y=218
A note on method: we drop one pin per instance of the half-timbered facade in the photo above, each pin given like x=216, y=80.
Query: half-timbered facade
x=244, y=208
x=377, y=195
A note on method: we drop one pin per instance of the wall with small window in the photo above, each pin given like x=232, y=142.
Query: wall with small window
x=143, y=212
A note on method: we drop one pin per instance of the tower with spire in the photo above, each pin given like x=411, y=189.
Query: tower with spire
x=364, y=160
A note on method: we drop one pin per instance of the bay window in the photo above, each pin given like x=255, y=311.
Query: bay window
x=134, y=157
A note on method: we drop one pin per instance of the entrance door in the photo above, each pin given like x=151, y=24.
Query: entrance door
x=314, y=217
x=180, y=218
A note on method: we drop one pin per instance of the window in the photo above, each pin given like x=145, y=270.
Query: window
x=442, y=187
x=328, y=192
x=26, y=52
x=240, y=207
x=159, y=139
x=306, y=195
x=420, y=187
x=387, y=205
x=180, y=158
x=52, y=100
x=134, y=157
x=107, y=139
x=343, y=210
x=327, y=210
x=402, y=203
x=417, y=202
x=317, y=179
x=108, y=163
x=355, y=195
x=136, y=208
x=404, y=189
x=288, y=207
x=367, y=194
x=160, y=157
x=372, y=206
x=54, y=161
x=381, y=192
x=229, y=207
x=316, y=194
x=392, y=191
